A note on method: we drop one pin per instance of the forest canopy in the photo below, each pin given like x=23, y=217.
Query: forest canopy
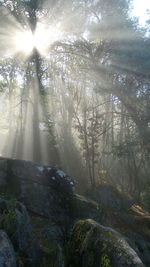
x=75, y=89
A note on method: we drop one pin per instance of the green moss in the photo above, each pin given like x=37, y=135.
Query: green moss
x=80, y=204
x=109, y=234
x=85, y=248
x=80, y=232
x=8, y=222
x=73, y=248
x=105, y=261
x=8, y=215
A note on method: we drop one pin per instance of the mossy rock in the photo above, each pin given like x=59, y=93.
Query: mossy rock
x=8, y=222
x=8, y=218
x=93, y=245
x=82, y=207
x=15, y=221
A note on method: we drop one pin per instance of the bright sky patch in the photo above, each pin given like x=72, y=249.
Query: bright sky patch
x=140, y=9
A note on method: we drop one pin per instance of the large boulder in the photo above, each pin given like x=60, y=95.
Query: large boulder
x=7, y=253
x=119, y=212
x=15, y=221
x=44, y=190
x=93, y=245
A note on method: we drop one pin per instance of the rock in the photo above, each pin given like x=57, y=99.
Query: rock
x=83, y=207
x=25, y=239
x=53, y=256
x=3, y=173
x=141, y=246
x=15, y=221
x=7, y=253
x=51, y=239
x=109, y=197
x=27, y=181
x=93, y=245
x=78, y=208
x=48, y=193
x=130, y=220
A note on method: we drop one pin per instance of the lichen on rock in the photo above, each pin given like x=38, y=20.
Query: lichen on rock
x=93, y=245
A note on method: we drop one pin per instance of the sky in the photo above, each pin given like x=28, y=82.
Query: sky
x=139, y=10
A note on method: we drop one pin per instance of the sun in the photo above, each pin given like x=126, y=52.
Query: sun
x=26, y=41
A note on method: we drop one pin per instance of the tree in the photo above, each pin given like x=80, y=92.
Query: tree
x=88, y=98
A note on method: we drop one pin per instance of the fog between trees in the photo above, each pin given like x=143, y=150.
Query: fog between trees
x=80, y=101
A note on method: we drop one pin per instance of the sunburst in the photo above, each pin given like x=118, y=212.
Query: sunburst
x=25, y=41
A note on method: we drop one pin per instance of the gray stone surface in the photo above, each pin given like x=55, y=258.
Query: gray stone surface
x=15, y=221
x=92, y=244
x=109, y=197
x=3, y=173
x=7, y=253
x=141, y=245
x=43, y=189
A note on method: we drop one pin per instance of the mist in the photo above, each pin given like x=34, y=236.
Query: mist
x=76, y=95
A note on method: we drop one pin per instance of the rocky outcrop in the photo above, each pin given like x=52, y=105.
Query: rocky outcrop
x=7, y=253
x=48, y=194
x=93, y=245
